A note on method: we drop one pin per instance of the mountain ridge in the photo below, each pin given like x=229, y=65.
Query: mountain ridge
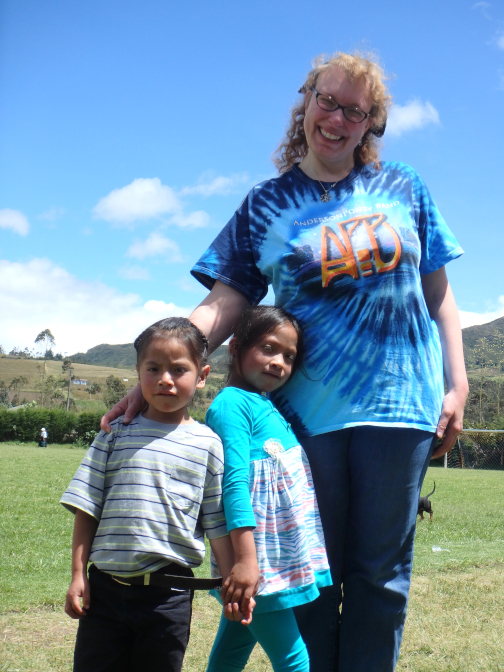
x=124, y=355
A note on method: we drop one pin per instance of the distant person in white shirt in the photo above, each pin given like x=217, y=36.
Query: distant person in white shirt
x=43, y=438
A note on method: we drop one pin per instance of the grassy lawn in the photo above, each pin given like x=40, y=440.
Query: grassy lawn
x=456, y=615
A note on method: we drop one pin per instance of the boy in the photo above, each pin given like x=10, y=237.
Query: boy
x=142, y=497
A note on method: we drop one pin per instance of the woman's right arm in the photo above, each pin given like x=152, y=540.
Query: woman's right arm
x=215, y=316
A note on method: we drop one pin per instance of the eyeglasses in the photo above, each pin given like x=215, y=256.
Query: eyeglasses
x=327, y=103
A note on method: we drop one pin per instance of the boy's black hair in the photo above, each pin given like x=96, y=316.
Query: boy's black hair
x=175, y=327
x=259, y=321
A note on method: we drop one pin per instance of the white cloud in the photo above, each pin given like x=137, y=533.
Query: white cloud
x=15, y=220
x=210, y=185
x=148, y=198
x=468, y=319
x=193, y=220
x=80, y=314
x=156, y=245
x=144, y=198
x=500, y=41
x=134, y=273
x=52, y=214
x=411, y=116
x=483, y=7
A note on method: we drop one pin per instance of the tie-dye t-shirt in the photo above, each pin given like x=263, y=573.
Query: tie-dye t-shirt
x=350, y=271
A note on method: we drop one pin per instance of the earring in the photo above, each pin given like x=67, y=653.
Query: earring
x=360, y=143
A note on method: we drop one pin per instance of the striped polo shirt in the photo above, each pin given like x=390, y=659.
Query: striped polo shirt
x=155, y=490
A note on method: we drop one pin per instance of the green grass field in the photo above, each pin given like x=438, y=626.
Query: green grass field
x=456, y=614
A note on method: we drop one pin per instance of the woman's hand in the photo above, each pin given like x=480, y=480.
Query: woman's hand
x=129, y=406
x=443, y=309
x=450, y=421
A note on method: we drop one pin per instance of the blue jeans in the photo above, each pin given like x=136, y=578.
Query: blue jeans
x=132, y=628
x=276, y=632
x=367, y=480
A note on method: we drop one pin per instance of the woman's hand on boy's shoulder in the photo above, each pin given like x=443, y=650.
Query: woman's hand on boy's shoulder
x=129, y=406
x=79, y=588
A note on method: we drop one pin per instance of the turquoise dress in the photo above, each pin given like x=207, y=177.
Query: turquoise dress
x=268, y=486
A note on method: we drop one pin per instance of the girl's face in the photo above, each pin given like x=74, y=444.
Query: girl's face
x=267, y=365
x=169, y=377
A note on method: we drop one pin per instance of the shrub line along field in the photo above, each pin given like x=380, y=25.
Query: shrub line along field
x=456, y=613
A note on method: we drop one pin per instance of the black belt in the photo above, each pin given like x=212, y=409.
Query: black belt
x=167, y=580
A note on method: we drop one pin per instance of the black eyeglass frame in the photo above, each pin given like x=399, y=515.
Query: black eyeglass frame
x=343, y=108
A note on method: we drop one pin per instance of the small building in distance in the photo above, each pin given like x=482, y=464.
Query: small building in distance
x=79, y=381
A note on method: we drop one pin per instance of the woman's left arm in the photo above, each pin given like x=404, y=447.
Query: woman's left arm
x=443, y=310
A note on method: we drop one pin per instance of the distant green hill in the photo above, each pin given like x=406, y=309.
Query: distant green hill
x=124, y=357
x=117, y=356
x=471, y=336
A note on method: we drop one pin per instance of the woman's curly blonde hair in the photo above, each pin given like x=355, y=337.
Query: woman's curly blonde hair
x=294, y=146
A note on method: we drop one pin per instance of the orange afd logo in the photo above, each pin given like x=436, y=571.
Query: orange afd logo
x=351, y=260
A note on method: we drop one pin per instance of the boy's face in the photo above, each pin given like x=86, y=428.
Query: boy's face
x=169, y=378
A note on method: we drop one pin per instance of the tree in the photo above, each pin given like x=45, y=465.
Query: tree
x=94, y=388
x=16, y=386
x=40, y=384
x=115, y=391
x=499, y=357
x=50, y=389
x=4, y=394
x=483, y=360
x=48, y=339
x=67, y=366
x=2, y=351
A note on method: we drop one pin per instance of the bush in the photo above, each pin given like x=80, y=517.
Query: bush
x=26, y=423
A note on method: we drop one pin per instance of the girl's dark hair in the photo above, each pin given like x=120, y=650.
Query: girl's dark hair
x=175, y=327
x=259, y=321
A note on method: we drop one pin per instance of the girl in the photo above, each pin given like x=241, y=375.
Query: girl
x=143, y=496
x=269, y=501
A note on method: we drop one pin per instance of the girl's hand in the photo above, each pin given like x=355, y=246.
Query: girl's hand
x=129, y=406
x=450, y=422
x=232, y=612
x=241, y=584
x=79, y=588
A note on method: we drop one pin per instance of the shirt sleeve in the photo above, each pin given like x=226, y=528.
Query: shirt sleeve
x=85, y=491
x=231, y=259
x=212, y=505
x=233, y=423
x=438, y=244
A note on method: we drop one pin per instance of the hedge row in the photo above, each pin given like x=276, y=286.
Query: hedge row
x=25, y=424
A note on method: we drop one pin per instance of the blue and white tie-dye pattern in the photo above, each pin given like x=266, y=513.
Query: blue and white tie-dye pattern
x=350, y=271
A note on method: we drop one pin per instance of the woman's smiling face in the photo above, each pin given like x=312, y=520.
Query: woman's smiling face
x=331, y=138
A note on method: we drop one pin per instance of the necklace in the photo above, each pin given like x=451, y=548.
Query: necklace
x=326, y=196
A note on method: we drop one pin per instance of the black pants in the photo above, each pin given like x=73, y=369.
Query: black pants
x=132, y=628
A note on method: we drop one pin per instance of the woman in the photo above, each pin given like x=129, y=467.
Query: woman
x=356, y=251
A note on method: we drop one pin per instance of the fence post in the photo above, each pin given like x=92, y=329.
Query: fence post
x=446, y=460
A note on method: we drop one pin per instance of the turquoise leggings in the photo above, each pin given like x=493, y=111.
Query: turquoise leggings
x=276, y=631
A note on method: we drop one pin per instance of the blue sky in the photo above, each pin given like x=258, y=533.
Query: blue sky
x=130, y=131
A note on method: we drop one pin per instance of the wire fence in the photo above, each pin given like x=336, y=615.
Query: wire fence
x=477, y=449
